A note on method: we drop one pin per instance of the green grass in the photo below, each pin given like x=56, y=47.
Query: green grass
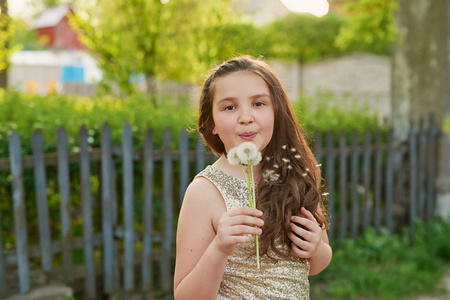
x=386, y=266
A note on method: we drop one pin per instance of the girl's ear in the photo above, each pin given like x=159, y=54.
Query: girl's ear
x=214, y=131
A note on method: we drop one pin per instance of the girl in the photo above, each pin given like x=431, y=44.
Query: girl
x=242, y=100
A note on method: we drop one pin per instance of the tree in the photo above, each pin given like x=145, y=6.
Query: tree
x=160, y=39
x=370, y=26
x=420, y=76
x=302, y=37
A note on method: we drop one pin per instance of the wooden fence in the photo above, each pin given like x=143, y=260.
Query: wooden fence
x=373, y=183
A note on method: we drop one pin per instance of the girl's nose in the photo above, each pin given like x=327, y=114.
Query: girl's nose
x=245, y=117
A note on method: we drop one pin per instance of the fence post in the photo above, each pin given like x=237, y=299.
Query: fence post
x=389, y=181
x=330, y=181
x=40, y=182
x=20, y=220
x=107, y=211
x=367, y=177
x=378, y=181
x=354, y=184
x=413, y=176
x=63, y=183
x=200, y=154
x=343, y=187
x=128, y=207
x=184, y=163
x=86, y=200
x=166, y=249
x=148, y=213
x=443, y=179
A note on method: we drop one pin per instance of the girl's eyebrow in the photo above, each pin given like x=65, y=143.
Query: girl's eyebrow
x=230, y=98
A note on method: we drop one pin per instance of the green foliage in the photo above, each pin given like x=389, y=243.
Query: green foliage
x=160, y=39
x=302, y=37
x=25, y=113
x=386, y=266
x=24, y=37
x=370, y=26
x=326, y=111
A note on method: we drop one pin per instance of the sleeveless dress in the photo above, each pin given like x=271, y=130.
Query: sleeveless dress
x=285, y=279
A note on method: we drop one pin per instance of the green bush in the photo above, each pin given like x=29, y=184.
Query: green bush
x=386, y=266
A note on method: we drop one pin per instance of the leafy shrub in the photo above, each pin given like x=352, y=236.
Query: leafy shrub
x=386, y=266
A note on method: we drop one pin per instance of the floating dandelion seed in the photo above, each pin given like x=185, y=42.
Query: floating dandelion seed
x=304, y=174
x=284, y=146
x=276, y=166
x=319, y=165
x=307, y=170
x=289, y=167
x=285, y=160
x=293, y=149
x=267, y=158
x=297, y=156
x=325, y=194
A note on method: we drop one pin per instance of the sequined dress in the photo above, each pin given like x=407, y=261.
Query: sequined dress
x=285, y=279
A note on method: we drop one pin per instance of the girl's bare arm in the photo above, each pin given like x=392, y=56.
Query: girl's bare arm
x=206, y=235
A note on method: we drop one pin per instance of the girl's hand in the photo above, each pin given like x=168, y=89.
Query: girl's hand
x=236, y=226
x=310, y=238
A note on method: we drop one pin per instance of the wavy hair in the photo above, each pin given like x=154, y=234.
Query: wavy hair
x=298, y=177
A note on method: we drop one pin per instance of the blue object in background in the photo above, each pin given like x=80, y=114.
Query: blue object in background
x=72, y=74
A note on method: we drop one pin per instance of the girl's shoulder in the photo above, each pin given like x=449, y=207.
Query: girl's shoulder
x=201, y=191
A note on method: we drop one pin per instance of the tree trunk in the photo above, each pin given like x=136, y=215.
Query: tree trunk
x=420, y=74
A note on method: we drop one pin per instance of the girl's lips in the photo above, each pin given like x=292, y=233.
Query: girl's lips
x=248, y=136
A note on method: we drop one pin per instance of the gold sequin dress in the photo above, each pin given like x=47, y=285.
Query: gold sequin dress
x=285, y=279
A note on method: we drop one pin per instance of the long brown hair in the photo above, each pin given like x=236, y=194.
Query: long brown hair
x=298, y=178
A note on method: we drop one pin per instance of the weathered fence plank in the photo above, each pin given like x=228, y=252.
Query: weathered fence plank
x=389, y=181
x=184, y=163
x=431, y=167
x=64, y=185
x=128, y=207
x=421, y=165
x=343, y=214
x=378, y=179
x=354, y=184
x=20, y=220
x=200, y=155
x=40, y=184
x=86, y=200
x=413, y=178
x=366, y=177
x=107, y=211
x=330, y=181
x=148, y=211
x=166, y=276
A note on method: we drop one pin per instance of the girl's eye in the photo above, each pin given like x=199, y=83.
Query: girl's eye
x=259, y=103
x=229, y=107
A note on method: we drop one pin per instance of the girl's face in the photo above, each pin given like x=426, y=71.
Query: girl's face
x=243, y=110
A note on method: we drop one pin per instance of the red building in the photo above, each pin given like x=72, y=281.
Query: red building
x=53, y=26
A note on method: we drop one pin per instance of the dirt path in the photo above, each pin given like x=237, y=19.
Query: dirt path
x=444, y=284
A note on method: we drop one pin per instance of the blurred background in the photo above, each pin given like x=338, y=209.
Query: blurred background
x=368, y=79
